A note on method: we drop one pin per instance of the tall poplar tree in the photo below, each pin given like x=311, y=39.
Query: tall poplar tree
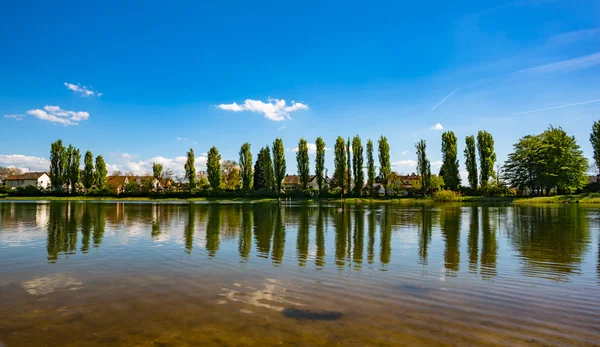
x=263, y=170
x=213, y=168
x=450, y=160
x=101, y=172
x=370, y=166
x=67, y=169
x=349, y=166
x=320, y=163
x=595, y=140
x=246, y=166
x=190, y=170
x=74, y=171
x=487, y=157
x=157, y=170
x=340, y=162
x=471, y=161
x=385, y=167
x=278, y=163
x=357, y=164
x=423, y=166
x=58, y=164
x=88, y=170
x=302, y=162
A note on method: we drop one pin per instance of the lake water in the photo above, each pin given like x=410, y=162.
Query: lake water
x=161, y=274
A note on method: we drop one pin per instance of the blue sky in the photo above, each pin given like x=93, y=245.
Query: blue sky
x=141, y=82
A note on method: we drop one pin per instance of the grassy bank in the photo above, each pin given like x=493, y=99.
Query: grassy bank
x=591, y=198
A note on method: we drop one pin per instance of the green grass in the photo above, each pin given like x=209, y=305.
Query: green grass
x=591, y=198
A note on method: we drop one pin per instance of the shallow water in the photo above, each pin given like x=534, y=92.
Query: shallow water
x=82, y=273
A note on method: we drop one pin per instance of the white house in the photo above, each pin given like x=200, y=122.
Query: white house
x=36, y=179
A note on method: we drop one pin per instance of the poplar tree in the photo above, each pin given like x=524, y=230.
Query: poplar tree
x=320, y=163
x=487, y=157
x=370, y=166
x=263, y=170
x=74, y=171
x=595, y=140
x=88, y=170
x=101, y=172
x=302, y=162
x=340, y=162
x=278, y=163
x=349, y=166
x=471, y=161
x=190, y=170
x=423, y=166
x=246, y=166
x=213, y=168
x=58, y=164
x=357, y=164
x=450, y=161
x=385, y=167
x=67, y=168
x=157, y=170
x=269, y=173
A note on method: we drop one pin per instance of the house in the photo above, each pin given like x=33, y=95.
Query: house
x=36, y=179
x=118, y=183
x=292, y=182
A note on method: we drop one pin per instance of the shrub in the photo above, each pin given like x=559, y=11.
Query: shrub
x=447, y=195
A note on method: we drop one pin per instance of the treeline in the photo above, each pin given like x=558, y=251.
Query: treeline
x=65, y=173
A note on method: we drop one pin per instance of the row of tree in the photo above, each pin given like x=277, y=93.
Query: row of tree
x=65, y=168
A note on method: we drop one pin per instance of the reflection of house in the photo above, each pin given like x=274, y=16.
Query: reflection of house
x=292, y=182
x=117, y=184
x=36, y=179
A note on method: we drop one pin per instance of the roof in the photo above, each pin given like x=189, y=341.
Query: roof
x=115, y=180
x=295, y=179
x=26, y=176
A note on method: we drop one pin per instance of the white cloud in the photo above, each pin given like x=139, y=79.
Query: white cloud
x=282, y=127
x=182, y=139
x=404, y=152
x=409, y=163
x=82, y=90
x=24, y=162
x=312, y=148
x=575, y=36
x=15, y=116
x=128, y=156
x=54, y=114
x=274, y=109
x=436, y=127
x=566, y=65
x=145, y=166
x=437, y=163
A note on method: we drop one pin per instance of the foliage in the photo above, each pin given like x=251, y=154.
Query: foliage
x=471, y=161
x=101, y=172
x=487, y=157
x=279, y=166
x=348, y=167
x=190, y=170
x=131, y=187
x=357, y=164
x=246, y=166
x=370, y=166
x=435, y=183
x=58, y=164
x=320, y=163
x=447, y=195
x=230, y=172
x=263, y=170
x=157, y=170
x=213, y=168
x=9, y=171
x=423, y=166
x=385, y=167
x=88, y=170
x=339, y=173
x=551, y=160
x=450, y=161
x=595, y=140
x=74, y=171
x=302, y=161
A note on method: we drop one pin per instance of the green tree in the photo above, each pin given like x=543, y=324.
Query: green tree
x=213, y=168
x=190, y=170
x=320, y=163
x=385, y=167
x=88, y=170
x=278, y=163
x=302, y=161
x=487, y=157
x=471, y=161
x=348, y=167
x=67, y=169
x=230, y=174
x=157, y=170
x=595, y=140
x=246, y=166
x=423, y=166
x=101, y=172
x=370, y=167
x=58, y=164
x=340, y=162
x=357, y=164
x=74, y=171
x=450, y=161
x=263, y=170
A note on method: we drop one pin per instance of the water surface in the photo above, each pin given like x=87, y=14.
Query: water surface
x=84, y=273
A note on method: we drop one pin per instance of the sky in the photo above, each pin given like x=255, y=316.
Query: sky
x=143, y=82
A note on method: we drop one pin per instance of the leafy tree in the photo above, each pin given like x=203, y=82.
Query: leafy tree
x=340, y=162
x=157, y=170
x=230, y=173
x=58, y=164
x=450, y=161
x=357, y=165
x=67, y=169
x=9, y=171
x=471, y=161
x=190, y=170
x=487, y=157
x=74, y=171
x=370, y=167
x=88, y=170
x=385, y=167
x=595, y=140
x=246, y=166
x=278, y=163
x=213, y=168
x=101, y=172
x=423, y=166
x=320, y=163
x=302, y=161
x=348, y=166
x=263, y=170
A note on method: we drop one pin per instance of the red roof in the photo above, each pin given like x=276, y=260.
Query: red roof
x=26, y=176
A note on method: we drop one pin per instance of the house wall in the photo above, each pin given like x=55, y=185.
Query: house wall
x=44, y=182
x=21, y=183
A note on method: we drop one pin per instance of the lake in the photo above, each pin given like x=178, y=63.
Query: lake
x=162, y=274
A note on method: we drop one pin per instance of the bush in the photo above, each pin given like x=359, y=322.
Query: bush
x=447, y=195
x=26, y=191
x=495, y=189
